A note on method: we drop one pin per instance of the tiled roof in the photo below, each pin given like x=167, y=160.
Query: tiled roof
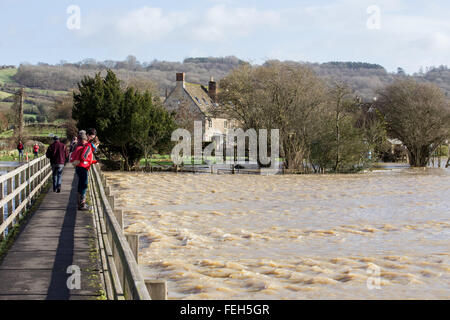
x=200, y=96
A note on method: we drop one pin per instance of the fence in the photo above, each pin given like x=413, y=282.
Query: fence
x=22, y=185
x=118, y=251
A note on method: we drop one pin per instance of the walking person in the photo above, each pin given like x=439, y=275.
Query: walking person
x=57, y=152
x=20, y=148
x=83, y=158
x=36, y=150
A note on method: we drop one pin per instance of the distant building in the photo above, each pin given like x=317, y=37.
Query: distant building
x=194, y=102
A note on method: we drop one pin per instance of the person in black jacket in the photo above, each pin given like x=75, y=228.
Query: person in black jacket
x=57, y=152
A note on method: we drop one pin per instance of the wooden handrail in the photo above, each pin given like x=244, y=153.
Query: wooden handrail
x=122, y=279
x=29, y=179
x=21, y=168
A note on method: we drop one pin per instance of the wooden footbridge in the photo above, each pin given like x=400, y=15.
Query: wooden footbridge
x=52, y=251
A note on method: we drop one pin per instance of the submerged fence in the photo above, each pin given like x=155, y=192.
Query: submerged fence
x=18, y=190
x=118, y=251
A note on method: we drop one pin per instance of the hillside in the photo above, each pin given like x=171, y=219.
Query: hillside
x=46, y=83
x=35, y=98
x=67, y=75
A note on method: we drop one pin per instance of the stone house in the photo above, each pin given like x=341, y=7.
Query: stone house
x=194, y=102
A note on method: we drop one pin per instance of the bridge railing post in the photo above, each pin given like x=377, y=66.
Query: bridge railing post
x=157, y=289
x=41, y=177
x=133, y=241
x=2, y=208
x=111, y=202
x=17, y=197
x=119, y=216
x=9, y=190
x=33, y=183
x=28, y=188
x=23, y=192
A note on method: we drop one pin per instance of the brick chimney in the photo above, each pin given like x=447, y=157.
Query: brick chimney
x=212, y=89
x=180, y=79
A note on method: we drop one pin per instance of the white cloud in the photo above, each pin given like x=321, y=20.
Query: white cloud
x=333, y=30
x=150, y=23
x=410, y=36
x=214, y=24
x=221, y=22
x=441, y=41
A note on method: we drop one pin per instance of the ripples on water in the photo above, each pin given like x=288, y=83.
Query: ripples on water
x=292, y=236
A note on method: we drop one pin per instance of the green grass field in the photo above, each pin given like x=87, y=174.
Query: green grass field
x=13, y=155
x=158, y=162
x=37, y=132
x=7, y=134
x=47, y=92
x=6, y=75
x=4, y=95
x=7, y=157
x=45, y=132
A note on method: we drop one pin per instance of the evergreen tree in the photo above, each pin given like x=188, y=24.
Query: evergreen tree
x=127, y=122
x=151, y=126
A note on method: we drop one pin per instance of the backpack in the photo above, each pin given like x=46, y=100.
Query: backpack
x=75, y=156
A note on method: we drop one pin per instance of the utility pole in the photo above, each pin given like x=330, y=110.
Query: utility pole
x=21, y=93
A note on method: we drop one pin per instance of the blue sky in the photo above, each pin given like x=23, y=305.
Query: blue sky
x=399, y=33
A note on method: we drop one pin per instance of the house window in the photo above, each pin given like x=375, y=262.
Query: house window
x=225, y=124
x=210, y=123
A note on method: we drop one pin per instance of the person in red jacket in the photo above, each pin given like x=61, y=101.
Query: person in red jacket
x=20, y=148
x=36, y=150
x=83, y=158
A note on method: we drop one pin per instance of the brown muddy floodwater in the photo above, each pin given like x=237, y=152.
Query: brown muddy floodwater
x=292, y=236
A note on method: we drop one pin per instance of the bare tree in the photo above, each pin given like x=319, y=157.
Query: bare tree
x=276, y=96
x=340, y=94
x=418, y=114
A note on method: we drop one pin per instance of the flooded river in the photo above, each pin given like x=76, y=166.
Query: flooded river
x=380, y=235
